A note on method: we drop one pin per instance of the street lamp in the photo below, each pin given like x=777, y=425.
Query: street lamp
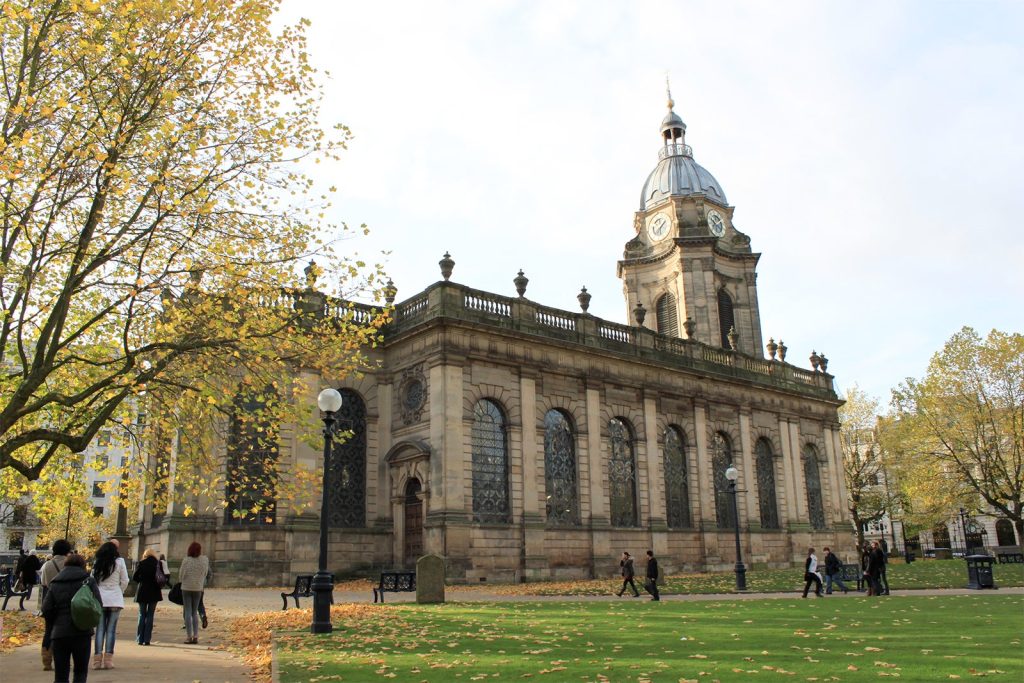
x=329, y=401
x=732, y=474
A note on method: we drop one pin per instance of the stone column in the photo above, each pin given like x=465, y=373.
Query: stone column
x=382, y=500
x=446, y=519
x=749, y=478
x=788, y=481
x=835, y=459
x=533, y=482
x=655, y=479
x=799, y=486
x=599, y=519
x=704, y=477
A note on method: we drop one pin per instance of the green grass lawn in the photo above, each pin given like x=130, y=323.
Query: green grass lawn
x=920, y=574
x=921, y=638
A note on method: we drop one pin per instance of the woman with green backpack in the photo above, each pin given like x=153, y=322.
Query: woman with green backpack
x=71, y=614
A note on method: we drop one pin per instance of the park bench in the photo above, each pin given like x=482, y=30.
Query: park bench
x=1010, y=558
x=395, y=582
x=852, y=572
x=7, y=584
x=303, y=589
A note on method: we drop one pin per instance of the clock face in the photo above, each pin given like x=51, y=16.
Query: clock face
x=716, y=224
x=657, y=226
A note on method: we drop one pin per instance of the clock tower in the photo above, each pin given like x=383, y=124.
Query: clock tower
x=688, y=260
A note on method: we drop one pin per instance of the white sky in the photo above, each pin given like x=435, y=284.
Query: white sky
x=872, y=151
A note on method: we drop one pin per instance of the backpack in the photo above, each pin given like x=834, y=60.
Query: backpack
x=161, y=577
x=86, y=610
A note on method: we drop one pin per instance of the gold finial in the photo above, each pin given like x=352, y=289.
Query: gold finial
x=668, y=90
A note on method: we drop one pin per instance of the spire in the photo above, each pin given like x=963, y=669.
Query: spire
x=673, y=130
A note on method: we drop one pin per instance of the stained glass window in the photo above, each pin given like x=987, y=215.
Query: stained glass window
x=725, y=316
x=766, y=484
x=812, y=478
x=677, y=487
x=562, y=504
x=622, y=473
x=668, y=317
x=490, y=464
x=721, y=458
x=347, y=479
x=251, y=489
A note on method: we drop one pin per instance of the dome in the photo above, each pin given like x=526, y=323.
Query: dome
x=678, y=175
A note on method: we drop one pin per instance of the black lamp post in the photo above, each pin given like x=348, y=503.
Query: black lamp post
x=732, y=474
x=329, y=402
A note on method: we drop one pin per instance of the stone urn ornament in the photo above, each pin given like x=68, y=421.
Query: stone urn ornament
x=584, y=298
x=824, y=363
x=815, y=360
x=639, y=314
x=782, y=351
x=772, y=347
x=732, y=337
x=447, y=265
x=689, y=327
x=520, y=281
x=390, y=292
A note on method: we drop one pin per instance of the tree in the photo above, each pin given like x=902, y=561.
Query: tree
x=153, y=210
x=863, y=463
x=964, y=421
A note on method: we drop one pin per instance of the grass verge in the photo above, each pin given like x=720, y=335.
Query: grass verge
x=848, y=639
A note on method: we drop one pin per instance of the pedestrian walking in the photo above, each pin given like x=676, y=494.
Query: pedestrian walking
x=883, y=578
x=811, y=573
x=833, y=572
x=111, y=576
x=652, y=577
x=27, y=570
x=51, y=568
x=68, y=642
x=147, y=595
x=192, y=576
x=865, y=560
x=876, y=562
x=627, y=571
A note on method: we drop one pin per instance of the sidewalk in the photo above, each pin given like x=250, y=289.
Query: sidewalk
x=169, y=660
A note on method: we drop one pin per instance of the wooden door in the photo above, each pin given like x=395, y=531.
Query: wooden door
x=413, y=523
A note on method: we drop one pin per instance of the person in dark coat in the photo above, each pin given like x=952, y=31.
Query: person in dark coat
x=148, y=594
x=876, y=561
x=67, y=641
x=626, y=565
x=652, y=576
x=28, y=570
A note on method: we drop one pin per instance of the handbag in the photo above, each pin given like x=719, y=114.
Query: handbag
x=161, y=577
x=86, y=610
x=175, y=595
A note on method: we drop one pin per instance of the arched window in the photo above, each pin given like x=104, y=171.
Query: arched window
x=490, y=464
x=677, y=486
x=721, y=458
x=622, y=473
x=725, y=316
x=560, y=470
x=812, y=479
x=668, y=316
x=251, y=487
x=347, y=487
x=1004, y=532
x=766, y=484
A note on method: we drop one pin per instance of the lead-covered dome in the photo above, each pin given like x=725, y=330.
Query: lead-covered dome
x=677, y=174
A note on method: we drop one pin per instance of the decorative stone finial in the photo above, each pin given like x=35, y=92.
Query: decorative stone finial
x=639, y=314
x=520, y=281
x=815, y=360
x=772, y=347
x=312, y=272
x=732, y=337
x=668, y=91
x=689, y=327
x=447, y=264
x=584, y=298
x=824, y=363
x=390, y=292
x=782, y=350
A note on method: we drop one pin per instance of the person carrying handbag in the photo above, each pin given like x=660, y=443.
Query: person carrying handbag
x=149, y=593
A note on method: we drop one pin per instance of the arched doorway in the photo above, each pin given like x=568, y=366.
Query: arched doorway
x=1004, y=532
x=413, y=505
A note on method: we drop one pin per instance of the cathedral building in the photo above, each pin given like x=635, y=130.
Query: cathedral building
x=520, y=442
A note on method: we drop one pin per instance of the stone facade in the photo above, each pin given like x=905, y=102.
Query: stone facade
x=480, y=410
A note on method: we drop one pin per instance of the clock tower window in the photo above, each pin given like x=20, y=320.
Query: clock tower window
x=668, y=317
x=725, y=316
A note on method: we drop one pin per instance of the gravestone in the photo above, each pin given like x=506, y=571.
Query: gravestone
x=429, y=579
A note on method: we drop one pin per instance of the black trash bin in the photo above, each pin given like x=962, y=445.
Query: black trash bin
x=979, y=571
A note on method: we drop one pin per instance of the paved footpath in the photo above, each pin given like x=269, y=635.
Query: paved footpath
x=169, y=660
